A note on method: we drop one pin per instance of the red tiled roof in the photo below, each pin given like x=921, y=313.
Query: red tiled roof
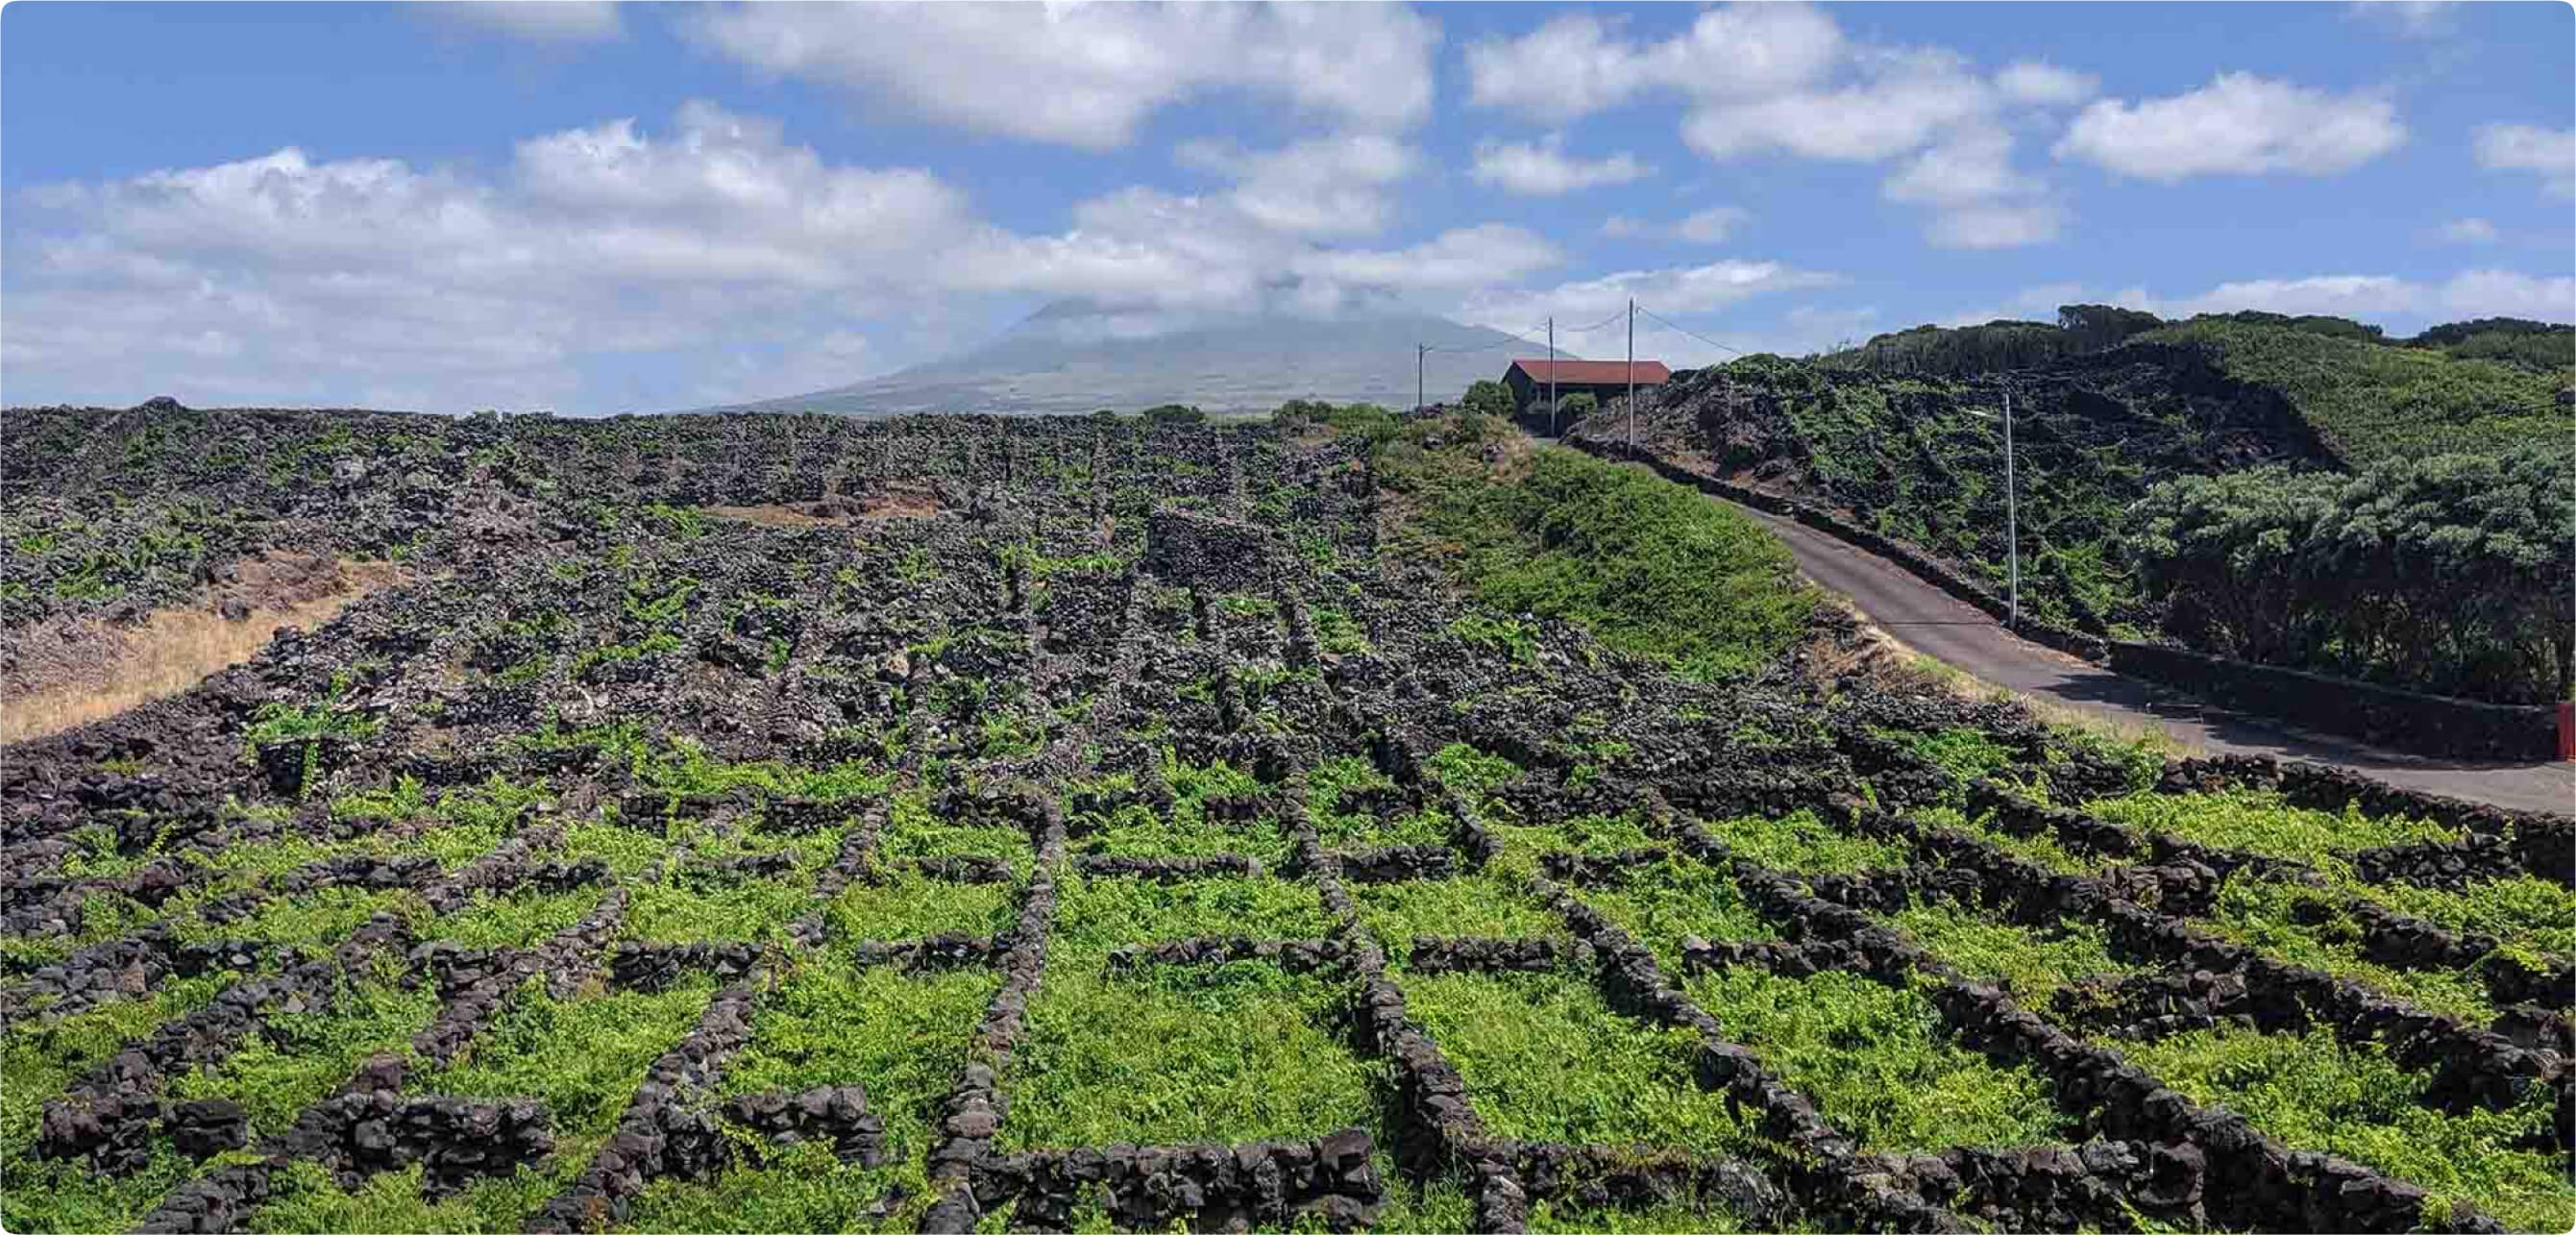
x=1596, y=372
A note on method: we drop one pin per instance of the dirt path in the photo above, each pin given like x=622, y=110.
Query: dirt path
x=1932, y=622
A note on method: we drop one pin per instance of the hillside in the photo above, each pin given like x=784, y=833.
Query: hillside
x=778, y=823
x=1901, y=434
x=1071, y=358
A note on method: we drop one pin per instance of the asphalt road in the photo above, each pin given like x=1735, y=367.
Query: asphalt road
x=1931, y=621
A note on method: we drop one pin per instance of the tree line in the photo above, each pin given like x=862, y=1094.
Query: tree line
x=2448, y=573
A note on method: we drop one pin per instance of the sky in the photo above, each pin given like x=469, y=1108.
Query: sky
x=596, y=208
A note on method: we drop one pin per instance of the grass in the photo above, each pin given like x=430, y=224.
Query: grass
x=38, y=1059
x=1096, y=914
x=1224, y=1054
x=513, y=921
x=2262, y=913
x=910, y=905
x=1588, y=834
x=2261, y=822
x=1877, y=1063
x=1509, y=1035
x=119, y=668
x=1677, y=897
x=313, y=919
x=668, y=912
x=1484, y=905
x=2313, y=1092
x=1644, y=564
x=2029, y=964
x=2040, y=847
x=303, y=1056
x=1135, y=831
x=2533, y=919
x=581, y=1057
x=903, y=1038
x=1801, y=842
x=308, y=1199
x=2370, y=401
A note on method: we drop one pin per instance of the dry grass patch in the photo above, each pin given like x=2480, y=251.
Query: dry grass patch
x=69, y=672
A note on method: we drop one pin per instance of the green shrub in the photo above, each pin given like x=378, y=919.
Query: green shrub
x=1646, y=565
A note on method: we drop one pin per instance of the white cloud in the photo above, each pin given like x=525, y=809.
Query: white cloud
x=1088, y=74
x=551, y=21
x=1710, y=226
x=2469, y=231
x=1906, y=99
x=2035, y=81
x=1970, y=168
x=2238, y=124
x=1458, y=258
x=1761, y=79
x=1980, y=201
x=1996, y=226
x=2415, y=19
x=1672, y=291
x=1575, y=65
x=602, y=251
x=2508, y=293
x=1545, y=170
x=1329, y=186
x=2523, y=147
x=2378, y=299
x=2030, y=304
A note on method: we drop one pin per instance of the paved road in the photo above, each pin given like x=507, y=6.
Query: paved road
x=1933, y=622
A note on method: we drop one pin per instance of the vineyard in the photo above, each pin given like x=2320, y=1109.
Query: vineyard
x=790, y=823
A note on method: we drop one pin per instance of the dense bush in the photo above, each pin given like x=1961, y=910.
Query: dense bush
x=1578, y=405
x=1487, y=397
x=1366, y=420
x=2448, y=573
x=1935, y=350
x=1175, y=414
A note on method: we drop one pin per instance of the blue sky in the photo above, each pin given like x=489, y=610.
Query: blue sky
x=596, y=208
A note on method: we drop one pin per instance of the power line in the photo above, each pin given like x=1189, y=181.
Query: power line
x=1596, y=325
x=1692, y=333
x=1487, y=347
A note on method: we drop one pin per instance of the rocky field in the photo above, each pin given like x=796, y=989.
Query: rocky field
x=791, y=823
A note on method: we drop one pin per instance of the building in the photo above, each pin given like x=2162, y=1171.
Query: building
x=1604, y=380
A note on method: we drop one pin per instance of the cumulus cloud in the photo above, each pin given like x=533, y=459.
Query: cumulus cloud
x=1576, y=65
x=1672, y=291
x=2529, y=148
x=2035, y=81
x=1328, y=186
x=1088, y=74
x=1903, y=100
x=1782, y=80
x=710, y=245
x=1545, y=170
x=1709, y=226
x=547, y=21
x=2238, y=124
x=2376, y=298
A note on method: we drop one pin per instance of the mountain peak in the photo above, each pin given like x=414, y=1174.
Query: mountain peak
x=1074, y=356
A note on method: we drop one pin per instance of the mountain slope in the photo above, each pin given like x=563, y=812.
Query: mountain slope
x=1073, y=358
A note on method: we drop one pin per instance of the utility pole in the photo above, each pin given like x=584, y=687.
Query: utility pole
x=2012, y=514
x=1632, y=375
x=1555, y=427
x=1418, y=350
